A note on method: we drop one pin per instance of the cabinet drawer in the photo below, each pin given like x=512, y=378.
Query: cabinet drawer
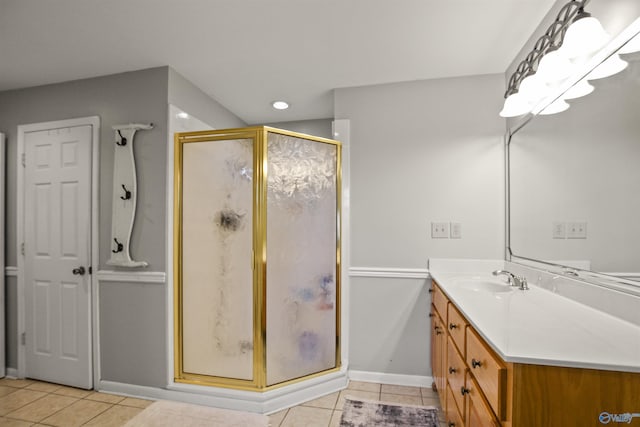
x=454, y=419
x=478, y=413
x=440, y=301
x=456, y=324
x=455, y=371
x=488, y=370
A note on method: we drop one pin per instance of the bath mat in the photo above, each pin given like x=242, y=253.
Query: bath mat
x=164, y=413
x=368, y=413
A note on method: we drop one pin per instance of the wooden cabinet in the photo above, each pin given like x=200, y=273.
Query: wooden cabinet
x=479, y=389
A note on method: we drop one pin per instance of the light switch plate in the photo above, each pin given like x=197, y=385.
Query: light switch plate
x=559, y=230
x=439, y=230
x=455, y=230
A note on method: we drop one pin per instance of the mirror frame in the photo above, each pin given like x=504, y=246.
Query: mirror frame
x=514, y=125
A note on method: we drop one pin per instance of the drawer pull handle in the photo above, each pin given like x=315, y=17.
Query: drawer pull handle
x=452, y=370
x=475, y=363
x=438, y=330
x=430, y=291
x=464, y=391
x=452, y=326
x=451, y=424
x=430, y=314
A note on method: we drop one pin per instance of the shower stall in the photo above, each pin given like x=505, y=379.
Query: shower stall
x=256, y=257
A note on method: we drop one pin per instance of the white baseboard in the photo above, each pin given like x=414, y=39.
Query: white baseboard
x=262, y=403
x=11, y=372
x=392, y=379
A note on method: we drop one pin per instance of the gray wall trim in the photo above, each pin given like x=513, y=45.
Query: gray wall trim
x=11, y=271
x=388, y=272
x=158, y=277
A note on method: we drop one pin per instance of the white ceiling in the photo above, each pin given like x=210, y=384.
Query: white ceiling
x=247, y=53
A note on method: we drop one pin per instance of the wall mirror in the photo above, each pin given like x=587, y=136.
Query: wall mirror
x=574, y=184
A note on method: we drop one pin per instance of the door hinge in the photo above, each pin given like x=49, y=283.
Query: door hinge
x=23, y=338
x=22, y=248
x=24, y=160
x=90, y=270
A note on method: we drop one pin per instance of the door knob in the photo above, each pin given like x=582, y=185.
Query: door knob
x=79, y=271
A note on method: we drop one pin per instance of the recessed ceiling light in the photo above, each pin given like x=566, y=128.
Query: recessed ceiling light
x=280, y=105
x=182, y=115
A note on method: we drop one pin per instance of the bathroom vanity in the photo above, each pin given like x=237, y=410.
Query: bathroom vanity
x=502, y=356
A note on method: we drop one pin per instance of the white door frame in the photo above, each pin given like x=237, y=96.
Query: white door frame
x=3, y=307
x=94, y=122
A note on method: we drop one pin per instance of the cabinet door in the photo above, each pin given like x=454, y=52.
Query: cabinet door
x=454, y=419
x=438, y=354
x=478, y=413
x=455, y=372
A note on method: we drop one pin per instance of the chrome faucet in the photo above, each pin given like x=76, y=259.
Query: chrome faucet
x=510, y=276
x=513, y=280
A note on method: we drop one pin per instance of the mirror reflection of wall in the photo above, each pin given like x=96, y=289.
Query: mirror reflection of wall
x=580, y=168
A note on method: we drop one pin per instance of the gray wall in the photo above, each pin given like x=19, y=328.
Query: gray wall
x=420, y=151
x=320, y=127
x=139, y=96
x=121, y=98
x=187, y=96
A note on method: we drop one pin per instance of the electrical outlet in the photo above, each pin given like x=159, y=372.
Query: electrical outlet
x=455, y=230
x=576, y=230
x=439, y=230
x=559, y=230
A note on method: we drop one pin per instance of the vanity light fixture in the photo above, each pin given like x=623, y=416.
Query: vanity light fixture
x=572, y=45
x=553, y=70
x=280, y=105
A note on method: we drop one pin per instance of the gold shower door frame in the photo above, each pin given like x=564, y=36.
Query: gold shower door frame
x=258, y=135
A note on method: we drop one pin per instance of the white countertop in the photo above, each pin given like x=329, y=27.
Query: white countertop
x=540, y=327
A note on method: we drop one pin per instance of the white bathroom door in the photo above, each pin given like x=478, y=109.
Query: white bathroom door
x=57, y=254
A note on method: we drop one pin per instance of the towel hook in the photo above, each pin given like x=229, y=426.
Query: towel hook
x=127, y=193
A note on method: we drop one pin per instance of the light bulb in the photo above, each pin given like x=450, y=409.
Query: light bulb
x=557, y=106
x=533, y=89
x=554, y=67
x=608, y=67
x=584, y=36
x=515, y=105
x=580, y=89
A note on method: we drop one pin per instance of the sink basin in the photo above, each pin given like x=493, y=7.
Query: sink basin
x=484, y=285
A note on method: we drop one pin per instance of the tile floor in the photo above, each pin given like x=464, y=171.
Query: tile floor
x=35, y=403
x=327, y=410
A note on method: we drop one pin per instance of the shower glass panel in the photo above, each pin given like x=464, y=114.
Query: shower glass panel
x=217, y=242
x=301, y=267
x=257, y=257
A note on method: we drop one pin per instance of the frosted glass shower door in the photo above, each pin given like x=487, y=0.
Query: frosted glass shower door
x=216, y=263
x=302, y=236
